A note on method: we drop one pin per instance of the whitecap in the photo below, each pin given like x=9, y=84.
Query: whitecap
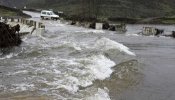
x=22, y=87
x=80, y=72
x=9, y=56
x=99, y=66
x=18, y=72
x=70, y=45
x=132, y=35
x=70, y=84
x=102, y=94
x=107, y=44
x=91, y=31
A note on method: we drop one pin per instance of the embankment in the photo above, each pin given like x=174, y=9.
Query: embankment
x=11, y=12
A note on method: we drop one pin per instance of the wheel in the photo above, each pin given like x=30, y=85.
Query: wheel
x=52, y=18
x=42, y=17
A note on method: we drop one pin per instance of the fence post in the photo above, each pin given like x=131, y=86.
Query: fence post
x=34, y=23
x=12, y=19
x=18, y=20
x=99, y=26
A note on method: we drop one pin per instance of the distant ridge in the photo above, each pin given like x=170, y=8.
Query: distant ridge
x=106, y=8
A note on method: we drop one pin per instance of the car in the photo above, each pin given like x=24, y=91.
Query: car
x=48, y=14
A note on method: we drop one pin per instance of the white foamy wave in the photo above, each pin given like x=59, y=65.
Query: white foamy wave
x=81, y=72
x=70, y=84
x=54, y=43
x=22, y=87
x=99, y=66
x=133, y=35
x=73, y=45
x=18, y=72
x=9, y=56
x=66, y=44
x=107, y=44
x=55, y=24
x=102, y=94
x=91, y=31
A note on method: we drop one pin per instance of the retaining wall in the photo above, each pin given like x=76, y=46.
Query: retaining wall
x=26, y=26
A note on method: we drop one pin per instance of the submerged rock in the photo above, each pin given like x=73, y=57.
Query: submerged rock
x=9, y=36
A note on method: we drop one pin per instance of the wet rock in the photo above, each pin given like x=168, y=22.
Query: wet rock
x=73, y=22
x=159, y=32
x=106, y=25
x=112, y=28
x=92, y=25
x=173, y=34
x=9, y=36
x=147, y=31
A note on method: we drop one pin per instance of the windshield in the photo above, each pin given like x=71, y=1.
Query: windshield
x=52, y=13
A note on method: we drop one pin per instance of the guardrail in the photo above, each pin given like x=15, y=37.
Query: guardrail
x=23, y=21
x=38, y=27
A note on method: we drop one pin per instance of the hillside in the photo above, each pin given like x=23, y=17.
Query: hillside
x=110, y=8
x=103, y=8
x=6, y=11
x=13, y=3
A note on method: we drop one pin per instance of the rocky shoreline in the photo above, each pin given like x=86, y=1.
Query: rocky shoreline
x=9, y=35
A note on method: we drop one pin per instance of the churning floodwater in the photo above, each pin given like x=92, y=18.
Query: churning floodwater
x=74, y=63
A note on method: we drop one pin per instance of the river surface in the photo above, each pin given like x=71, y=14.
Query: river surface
x=74, y=63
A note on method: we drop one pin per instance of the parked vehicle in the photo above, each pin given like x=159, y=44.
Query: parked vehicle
x=47, y=14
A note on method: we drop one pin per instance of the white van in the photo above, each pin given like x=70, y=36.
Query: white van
x=47, y=14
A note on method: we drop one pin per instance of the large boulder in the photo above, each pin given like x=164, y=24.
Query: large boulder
x=9, y=36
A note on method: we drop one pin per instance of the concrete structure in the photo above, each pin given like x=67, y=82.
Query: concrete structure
x=120, y=27
x=149, y=31
x=27, y=26
x=39, y=31
x=99, y=26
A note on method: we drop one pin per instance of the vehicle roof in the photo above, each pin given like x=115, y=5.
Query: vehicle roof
x=46, y=11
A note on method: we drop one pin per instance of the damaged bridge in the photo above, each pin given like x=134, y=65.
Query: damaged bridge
x=11, y=30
